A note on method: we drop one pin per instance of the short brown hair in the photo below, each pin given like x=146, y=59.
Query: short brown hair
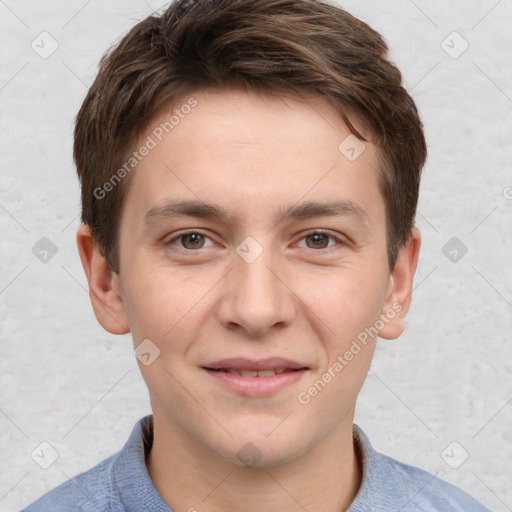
x=274, y=46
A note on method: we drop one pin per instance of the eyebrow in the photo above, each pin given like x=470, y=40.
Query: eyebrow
x=308, y=209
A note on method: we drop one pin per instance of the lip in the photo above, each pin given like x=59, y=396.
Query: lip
x=255, y=386
x=241, y=363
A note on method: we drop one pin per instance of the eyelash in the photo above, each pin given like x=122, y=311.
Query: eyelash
x=339, y=241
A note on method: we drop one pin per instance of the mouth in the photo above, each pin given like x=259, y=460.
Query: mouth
x=255, y=378
x=256, y=373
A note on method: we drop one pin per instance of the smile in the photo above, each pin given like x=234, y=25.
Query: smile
x=254, y=373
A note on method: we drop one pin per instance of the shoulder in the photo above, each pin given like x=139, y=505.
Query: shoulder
x=392, y=485
x=426, y=492
x=118, y=479
x=88, y=491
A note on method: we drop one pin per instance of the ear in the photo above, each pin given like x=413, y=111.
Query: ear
x=401, y=278
x=104, y=285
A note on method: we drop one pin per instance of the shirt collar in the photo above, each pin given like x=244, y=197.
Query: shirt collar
x=137, y=492
x=130, y=475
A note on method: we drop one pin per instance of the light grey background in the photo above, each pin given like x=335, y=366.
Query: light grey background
x=66, y=381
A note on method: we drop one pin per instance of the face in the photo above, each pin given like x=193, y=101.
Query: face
x=249, y=241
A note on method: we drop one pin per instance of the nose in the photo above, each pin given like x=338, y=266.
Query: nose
x=256, y=297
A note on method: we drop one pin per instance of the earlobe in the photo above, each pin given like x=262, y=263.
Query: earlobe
x=106, y=299
x=399, y=295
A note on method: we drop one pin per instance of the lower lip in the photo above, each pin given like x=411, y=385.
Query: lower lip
x=256, y=386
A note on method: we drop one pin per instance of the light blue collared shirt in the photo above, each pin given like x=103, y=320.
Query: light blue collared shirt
x=121, y=483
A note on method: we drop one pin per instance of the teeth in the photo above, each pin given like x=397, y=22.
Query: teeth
x=254, y=373
x=248, y=373
x=266, y=373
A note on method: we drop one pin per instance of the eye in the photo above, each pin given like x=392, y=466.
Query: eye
x=320, y=239
x=194, y=240
x=190, y=240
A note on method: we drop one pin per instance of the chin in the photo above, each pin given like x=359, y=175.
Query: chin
x=266, y=448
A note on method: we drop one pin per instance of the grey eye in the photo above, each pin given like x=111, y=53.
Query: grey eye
x=318, y=240
x=192, y=240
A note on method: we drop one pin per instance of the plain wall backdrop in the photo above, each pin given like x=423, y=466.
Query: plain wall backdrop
x=439, y=397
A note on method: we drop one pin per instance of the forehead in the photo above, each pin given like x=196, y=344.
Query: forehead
x=247, y=151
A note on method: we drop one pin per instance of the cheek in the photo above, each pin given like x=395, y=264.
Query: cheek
x=167, y=307
x=349, y=342
x=347, y=303
x=348, y=308
x=153, y=304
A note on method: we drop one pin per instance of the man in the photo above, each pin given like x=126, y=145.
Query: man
x=250, y=174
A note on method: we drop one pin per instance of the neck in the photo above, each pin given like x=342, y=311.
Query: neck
x=190, y=477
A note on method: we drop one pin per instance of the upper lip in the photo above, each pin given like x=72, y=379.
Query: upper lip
x=240, y=363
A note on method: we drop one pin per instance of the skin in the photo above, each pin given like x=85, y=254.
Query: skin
x=252, y=154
